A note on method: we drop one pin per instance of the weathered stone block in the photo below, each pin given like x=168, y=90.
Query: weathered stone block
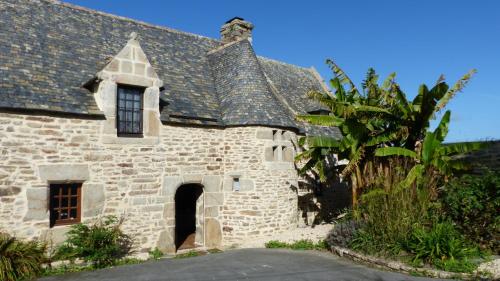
x=212, y=212
x=266, y=134
x=152, y=98
x=269, y=154
x=55, y=235
x=9, y=190
x=166, y=242
x=214, y=199
x=213, y=233
x=93, y=199
x=64, y=172
x=125, y=53
x=139, y=69
x=212, y=183
x=125, y=78
x=192, y=178
x=170, y=185
x=37, y=204
x=169, y=210
x=126, y=66
x=113, y=66
x=247, y=185
x=288, y=154
x=140, y=56
x=251, y=213
x=154, y=123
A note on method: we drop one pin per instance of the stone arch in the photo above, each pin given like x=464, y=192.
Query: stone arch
x=210, y=232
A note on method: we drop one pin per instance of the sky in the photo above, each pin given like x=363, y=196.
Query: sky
x=419, y=40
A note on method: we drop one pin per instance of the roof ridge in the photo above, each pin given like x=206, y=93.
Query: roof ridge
x=284, y=63
x=85, y=9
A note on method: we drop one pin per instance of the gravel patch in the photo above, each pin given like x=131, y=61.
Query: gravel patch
x=315, y=234
x=493, y=267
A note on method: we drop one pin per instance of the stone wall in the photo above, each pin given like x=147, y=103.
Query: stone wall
x=137, y=179
x=488, y=157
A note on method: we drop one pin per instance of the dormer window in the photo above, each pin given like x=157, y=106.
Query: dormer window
x=129, y=111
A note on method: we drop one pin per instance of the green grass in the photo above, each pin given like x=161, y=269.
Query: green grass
x=304, y=244
x=67, y=268
x=155, y=254
x=189, y=254
x=70, y=268
x=214, y=251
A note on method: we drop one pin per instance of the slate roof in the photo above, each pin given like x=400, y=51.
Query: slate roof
x=49, y=50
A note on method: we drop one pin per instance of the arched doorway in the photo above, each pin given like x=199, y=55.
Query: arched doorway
x=187, y=212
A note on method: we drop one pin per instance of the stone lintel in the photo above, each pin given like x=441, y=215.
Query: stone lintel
x=64, y=172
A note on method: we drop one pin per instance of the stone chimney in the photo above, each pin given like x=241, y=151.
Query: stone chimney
x=236, y=29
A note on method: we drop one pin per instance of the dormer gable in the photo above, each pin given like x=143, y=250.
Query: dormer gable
x=128, y=93
x=131, y=66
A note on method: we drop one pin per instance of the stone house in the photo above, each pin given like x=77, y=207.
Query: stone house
x=190, y=139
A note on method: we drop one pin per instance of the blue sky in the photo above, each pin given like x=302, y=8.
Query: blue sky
x=419, y=40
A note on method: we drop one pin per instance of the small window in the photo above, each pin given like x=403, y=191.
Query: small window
x=236, y=184
x=65, y=203
x=129, y=111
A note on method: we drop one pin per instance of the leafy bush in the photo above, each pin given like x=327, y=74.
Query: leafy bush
x=20, y=259
x=275, y=244
x=155, y=254
x=304, y=244
x=388, y=218
x=342, y=233
x=472, y=202
x=102, y=243
x=441, y=245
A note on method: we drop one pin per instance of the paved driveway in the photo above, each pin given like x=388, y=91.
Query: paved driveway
x=245, y=264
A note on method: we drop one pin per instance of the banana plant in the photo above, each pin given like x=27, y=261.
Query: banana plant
x=433, y=155
x=378, y=116
x=361, y=118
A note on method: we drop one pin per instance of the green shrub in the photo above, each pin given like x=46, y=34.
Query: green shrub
x=20, y=259
x=473, y=203
x=456, y=265
x=322, y=245
x=102, y=243
x=388, y=217
x=304, y=244
x=342, y=233
x=275, y=244
x=441, y=245
x=155, y=254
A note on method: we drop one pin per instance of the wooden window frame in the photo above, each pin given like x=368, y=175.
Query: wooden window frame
x=140, y=92
x=56, y=196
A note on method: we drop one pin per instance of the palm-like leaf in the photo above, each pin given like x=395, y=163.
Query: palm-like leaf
x=322, y=142
x=341, y=75
x=395, y=151
x=321, y=120
x=458, y=87
x=415, y=173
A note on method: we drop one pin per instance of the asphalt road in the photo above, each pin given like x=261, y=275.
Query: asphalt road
x=245, y=264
